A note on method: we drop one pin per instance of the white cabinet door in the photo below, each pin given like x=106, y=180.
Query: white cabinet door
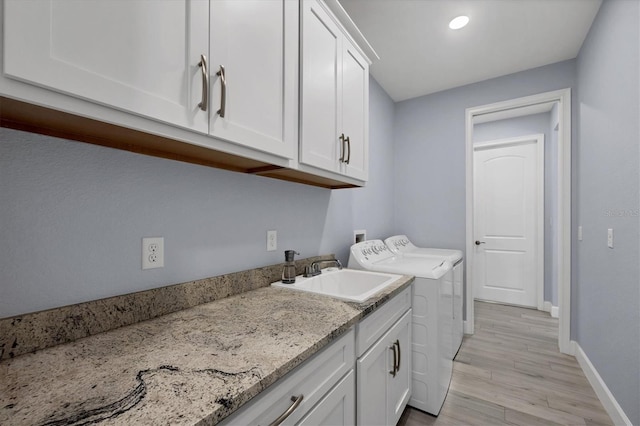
x=321, y=88
x=400, y=385
x=335, y=96
x=255, y=103
x=384, y=381
x=355, y=112
x=338, y=407
x=134, y=55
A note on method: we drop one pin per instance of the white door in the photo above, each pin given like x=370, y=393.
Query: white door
x=254, y=74
x=135, y=55
x=508, y=220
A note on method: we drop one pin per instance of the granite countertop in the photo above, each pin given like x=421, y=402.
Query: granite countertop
x=195, y=366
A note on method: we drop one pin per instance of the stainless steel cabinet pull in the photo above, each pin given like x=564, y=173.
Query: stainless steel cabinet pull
x=296, y=402
x=342, y=148
x=348, y=146
x=395, y=360
x=399, y=354
x=205, y=83
x=223, y=91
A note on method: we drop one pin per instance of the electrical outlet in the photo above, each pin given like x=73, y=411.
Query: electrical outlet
x=580, y=233
x=610, y=238
x=272, y=240
x=152, y=252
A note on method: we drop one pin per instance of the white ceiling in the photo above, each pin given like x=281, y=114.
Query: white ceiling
x=419, y=54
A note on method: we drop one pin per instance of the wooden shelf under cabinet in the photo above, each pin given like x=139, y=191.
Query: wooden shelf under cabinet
x=36, y=119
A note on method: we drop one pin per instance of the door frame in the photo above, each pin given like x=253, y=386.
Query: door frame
x=563, y=98
x=539, y=176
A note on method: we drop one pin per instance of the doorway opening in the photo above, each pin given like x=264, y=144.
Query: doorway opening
x=562, y=193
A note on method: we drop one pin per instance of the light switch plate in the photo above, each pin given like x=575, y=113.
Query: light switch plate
x=580, y=233
x=272, y=240
x=610, y=237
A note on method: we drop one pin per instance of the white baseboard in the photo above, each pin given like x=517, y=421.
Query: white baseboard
x=599, y=386
x=467, y=327
x=553, y=310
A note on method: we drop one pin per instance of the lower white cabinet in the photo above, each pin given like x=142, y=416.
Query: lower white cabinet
x=384, y=376
x=338, y=407
x=317, y=389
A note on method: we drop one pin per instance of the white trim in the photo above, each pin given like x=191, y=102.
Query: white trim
x=563, y=97
x=548, y=307
x=538, y=139
x=600, y=387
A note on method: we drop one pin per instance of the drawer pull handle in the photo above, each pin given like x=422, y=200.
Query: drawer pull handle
x=223, y=91
x=395, y=360
x=348, y=146
x=205, y=83
x=296, y=402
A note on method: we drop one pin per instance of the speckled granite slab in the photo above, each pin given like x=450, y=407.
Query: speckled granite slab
x=26, y=333
x=190, y=367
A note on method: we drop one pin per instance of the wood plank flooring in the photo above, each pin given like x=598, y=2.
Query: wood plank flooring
x=510, y=372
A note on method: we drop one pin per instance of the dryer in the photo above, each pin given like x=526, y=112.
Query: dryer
x=400, y=244
x=431, y=320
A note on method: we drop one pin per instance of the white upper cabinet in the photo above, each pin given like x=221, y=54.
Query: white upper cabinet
x=134, y=55
x=355, y=112
x=254, y=44
x=146, y=57
x=334, y=96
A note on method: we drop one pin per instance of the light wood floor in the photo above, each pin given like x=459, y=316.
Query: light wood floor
x=510, y=372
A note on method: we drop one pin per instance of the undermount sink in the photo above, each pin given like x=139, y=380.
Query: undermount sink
x=346, y=284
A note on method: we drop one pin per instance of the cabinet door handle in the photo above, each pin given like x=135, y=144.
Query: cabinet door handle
x=205, y=83
x=399, y=354
x=223, y=91
x=395, y=360
x=342, y=148
x=348, y=146
x=296, y=402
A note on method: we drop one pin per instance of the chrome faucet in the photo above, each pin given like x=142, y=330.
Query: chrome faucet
x=314, y=268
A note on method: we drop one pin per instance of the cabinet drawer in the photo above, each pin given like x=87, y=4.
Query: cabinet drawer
x=338, y=408
x=313, y=379
x=374, y=326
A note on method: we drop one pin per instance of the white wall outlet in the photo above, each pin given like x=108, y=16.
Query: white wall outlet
x=272, y=240
x=580, y=233
x=359, y=235
x=152, y=252
x=610, y=237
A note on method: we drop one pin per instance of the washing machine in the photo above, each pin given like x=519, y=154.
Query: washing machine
x=400, y=244
x=431, y=320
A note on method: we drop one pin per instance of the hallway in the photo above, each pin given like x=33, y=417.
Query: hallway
x=510, y=372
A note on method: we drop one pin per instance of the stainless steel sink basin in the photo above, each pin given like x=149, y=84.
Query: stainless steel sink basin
x=346, y=284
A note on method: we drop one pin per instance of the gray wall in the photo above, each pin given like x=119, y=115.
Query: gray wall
x=524, y=126
x=608, y=280
x=430, y=152
x=73, y=216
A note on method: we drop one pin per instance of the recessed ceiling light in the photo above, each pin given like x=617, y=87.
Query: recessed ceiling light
x=458, y=22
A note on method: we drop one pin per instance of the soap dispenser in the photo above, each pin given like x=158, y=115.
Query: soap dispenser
x=289, y=270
